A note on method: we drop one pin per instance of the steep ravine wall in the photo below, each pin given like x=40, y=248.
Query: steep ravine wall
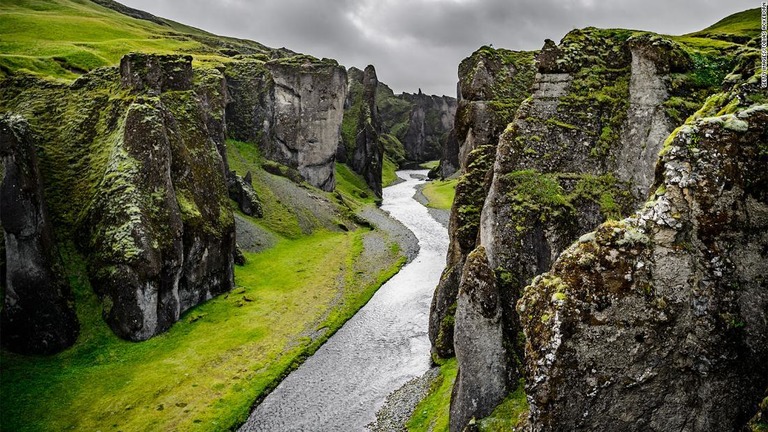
x=133, y=171
x=581, y=149
x=492, y=83
x=360, y=145
x=658, y=321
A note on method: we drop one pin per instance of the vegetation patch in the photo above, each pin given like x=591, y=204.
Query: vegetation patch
x=207, y=370
x=431, y=414
x=510, y=414
x=440, y=193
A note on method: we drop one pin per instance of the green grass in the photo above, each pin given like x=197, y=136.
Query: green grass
x=430, y=164
x=63, y=38
x=205, y=372
x=745, y=23
x=509, y=414
x=440, y=193
x=278, y=217
x=388, y=176
x=431, y=414
x=352, y=187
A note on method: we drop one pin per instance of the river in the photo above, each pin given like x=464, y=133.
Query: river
x=383, y=346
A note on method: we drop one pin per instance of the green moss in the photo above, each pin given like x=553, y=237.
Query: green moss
x=431, y=414
x=351, y=116
x=510, y=413
x=393, y=148
x=352, y=187
x=388, y=176
x=63, y=38
x=543, y=195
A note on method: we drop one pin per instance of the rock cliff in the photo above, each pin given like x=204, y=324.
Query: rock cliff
x=38, y=316
x=581, y=149
x=429, y=125
x=293, y=109
x=420, y=123
x=361, y=147
x=133, y=169
x=658, y=321
x=492, y=84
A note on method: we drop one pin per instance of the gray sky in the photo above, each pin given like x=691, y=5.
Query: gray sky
x=419, y=43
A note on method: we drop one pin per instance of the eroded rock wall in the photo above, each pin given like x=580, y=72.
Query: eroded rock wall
x=580, y=150
x=292, y=109
x=38, y=315
x=658, y=322
x=492, y=83
x=308, y=109
x=431, y=120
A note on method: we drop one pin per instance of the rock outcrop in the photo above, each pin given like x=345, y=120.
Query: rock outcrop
x=361, y=147
x=580, y=150
x=38, y=316
x=368, y=156
x=161, y=235
x=420, y=124
x=658, y=322
x=492, y=83
x=292, y=109
x=135, y=171
x=241, y=191
x=431, y=120
x=309, y=107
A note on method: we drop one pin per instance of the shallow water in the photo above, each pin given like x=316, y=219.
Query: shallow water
x=383, y=346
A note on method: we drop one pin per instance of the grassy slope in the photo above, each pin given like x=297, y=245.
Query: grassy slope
x=440, y=193
x=62, y=38
x=431, y=414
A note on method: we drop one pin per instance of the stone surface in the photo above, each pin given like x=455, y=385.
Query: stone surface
x=492, y=83
x=308, y=109
x=658, y=322
x=291, y=108
x=580, y=149
x=241, y=191
x=156, y=73
x=431, y=119
x=366, y=158
x=38, y=316
x=479, y=337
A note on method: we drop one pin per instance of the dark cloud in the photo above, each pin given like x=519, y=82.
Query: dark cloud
x=419, y=43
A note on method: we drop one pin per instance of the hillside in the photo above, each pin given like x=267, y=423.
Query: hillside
x=65, y=38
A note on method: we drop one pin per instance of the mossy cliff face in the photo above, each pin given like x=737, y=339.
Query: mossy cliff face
x=161, y=235
x=292, y=108
x=38, y=316
x=134, y=176
x=492, y=83
x=362, y=149
x=430, y=122
x=658, y=322
x=420, y=124
x=580, y=150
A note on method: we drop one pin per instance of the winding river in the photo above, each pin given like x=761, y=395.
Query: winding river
x=383, y=346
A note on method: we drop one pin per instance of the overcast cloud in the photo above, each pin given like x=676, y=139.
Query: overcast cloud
x=419, y=43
